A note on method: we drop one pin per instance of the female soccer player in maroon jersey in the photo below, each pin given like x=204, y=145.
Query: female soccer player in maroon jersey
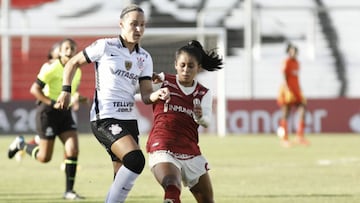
x=174, y=153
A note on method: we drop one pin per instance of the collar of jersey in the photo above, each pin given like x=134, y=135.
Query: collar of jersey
x=123, y=44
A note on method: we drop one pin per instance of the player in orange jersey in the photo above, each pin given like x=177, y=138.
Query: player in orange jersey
x=290, y=95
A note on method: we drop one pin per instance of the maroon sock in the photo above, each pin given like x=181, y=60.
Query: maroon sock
x=172, y=193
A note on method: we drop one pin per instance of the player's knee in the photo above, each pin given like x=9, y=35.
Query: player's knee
x=134, y=161
x=71, y=149
x=43, y=159
x=72, y=152
x=170, y=180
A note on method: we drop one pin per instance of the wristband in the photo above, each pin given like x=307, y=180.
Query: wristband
x=66, y=88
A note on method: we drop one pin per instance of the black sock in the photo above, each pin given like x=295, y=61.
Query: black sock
x=32, y=150
x=70, y=172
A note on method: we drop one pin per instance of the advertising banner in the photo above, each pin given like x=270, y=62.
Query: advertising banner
x=242, y=117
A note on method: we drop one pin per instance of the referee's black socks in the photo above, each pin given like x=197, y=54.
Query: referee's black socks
x=70, y=172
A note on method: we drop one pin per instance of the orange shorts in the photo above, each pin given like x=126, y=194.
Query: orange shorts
x=286, y=97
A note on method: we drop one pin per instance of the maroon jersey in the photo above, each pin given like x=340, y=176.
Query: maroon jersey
x=174, y=127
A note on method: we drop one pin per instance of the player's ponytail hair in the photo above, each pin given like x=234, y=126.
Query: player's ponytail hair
x=209, y=60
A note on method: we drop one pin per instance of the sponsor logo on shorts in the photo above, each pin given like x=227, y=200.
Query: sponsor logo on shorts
x=49, y=131
x=115, y=129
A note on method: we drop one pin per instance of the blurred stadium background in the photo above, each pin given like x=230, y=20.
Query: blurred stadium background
x=250, y=34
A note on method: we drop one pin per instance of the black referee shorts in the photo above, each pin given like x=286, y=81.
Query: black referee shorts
x=51, y=122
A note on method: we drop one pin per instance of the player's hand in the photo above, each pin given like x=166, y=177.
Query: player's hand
x=63, y=100
x=156, y=78
x=164, y=94
x=56, y=105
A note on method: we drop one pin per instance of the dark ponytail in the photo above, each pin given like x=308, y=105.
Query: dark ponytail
x=209, y=60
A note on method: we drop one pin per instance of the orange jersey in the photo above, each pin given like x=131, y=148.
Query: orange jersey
x=290, y=91
x=291, y=73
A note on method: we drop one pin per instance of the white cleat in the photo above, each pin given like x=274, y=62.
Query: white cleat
x=17, y=145
x=72, y=195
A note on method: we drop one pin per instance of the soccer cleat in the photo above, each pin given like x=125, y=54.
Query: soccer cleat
x=17, y=145
x=168, y=201
x=72, y=195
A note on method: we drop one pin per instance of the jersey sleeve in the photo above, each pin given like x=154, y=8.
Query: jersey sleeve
x=95, y=51
x=45, y=73
x=148, y=67
x=206, y=106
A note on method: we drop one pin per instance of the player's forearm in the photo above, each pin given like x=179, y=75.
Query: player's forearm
x=162, y=93
x=206, y=111
x=69, y=72
x=203, y=121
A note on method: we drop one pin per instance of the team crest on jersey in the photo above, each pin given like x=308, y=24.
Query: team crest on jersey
x=140, y=63
x=128, y=65
x=115, y=129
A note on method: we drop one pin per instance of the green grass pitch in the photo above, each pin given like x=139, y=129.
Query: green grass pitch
x=245, y=168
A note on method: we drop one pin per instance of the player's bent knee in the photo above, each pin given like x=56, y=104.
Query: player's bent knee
x=43, y=159
x=170, y=180
x=72, y=153
x=134, y=161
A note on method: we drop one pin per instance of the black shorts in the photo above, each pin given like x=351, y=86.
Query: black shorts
x=108, y=130
x=51, y=122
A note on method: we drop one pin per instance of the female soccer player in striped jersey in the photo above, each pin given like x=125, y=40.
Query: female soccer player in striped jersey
x=174, y=153
x=120, y=64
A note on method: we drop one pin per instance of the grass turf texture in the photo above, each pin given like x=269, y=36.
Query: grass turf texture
x=246, y=168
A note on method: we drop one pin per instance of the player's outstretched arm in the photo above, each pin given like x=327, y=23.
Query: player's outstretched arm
x=69, y=71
